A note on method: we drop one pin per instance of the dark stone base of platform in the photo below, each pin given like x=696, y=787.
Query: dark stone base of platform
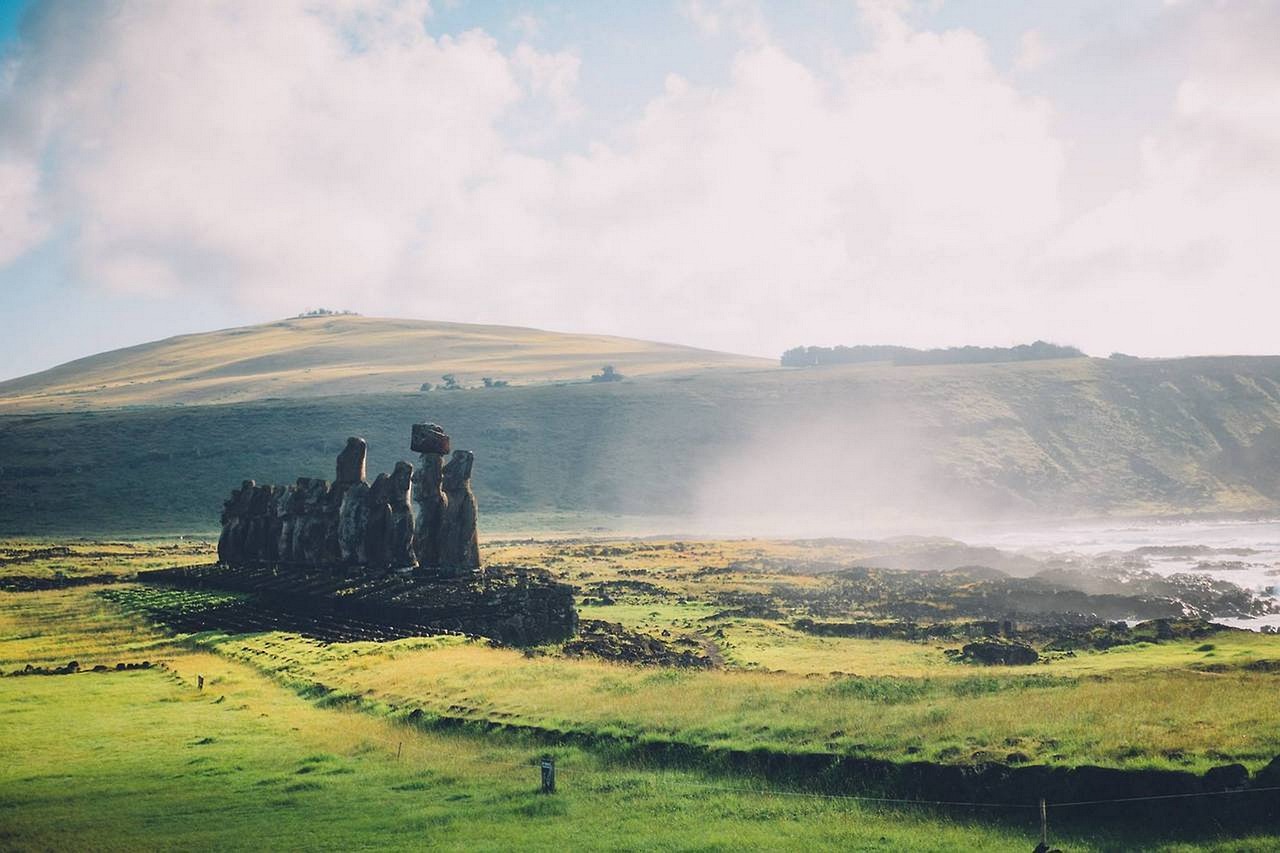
x=517, y=606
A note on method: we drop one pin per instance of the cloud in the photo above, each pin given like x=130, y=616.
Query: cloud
x=1033, y=51
x=284, y=156
x=1189, y=241
x=22, y=225
x=287, y=154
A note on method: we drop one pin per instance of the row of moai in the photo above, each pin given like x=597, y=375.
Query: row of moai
x=354, y=523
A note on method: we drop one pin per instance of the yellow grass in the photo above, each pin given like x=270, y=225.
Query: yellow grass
x=340, y=355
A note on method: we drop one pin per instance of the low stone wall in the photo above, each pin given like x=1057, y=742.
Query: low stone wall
x=514, y=605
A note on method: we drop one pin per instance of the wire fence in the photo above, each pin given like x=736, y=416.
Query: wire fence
x=669, y=779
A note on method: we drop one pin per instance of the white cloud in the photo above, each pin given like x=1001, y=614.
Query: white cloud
x=528, y=25
x=287, y=157
x=1189, y=246
x=1033, y=51
x=907, y=192
x=22, y=225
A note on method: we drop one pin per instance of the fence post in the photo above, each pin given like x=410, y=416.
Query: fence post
x=1044, y=825
x=399, y=747
x=548, y=775
x=200, y=682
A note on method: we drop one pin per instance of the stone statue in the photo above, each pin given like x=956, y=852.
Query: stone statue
x=235, y=514
x=430, y=441
x=400, y=550
x=356, y=524
x=459, y=539
x=351, y=462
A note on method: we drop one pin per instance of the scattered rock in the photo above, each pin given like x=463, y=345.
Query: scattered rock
x=993, y=652
x=611, y=641
x=1226, y=777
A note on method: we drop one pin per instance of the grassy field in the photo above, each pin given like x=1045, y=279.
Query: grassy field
x=320, y=356
x=152, y=763
x=1186, y=705
x=864, y=446
x=145, y=760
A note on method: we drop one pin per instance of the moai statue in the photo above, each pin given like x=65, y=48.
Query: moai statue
x=432, y=444
x=353, y=520
x=377, y=531
x=348, y=509
x=351, y=462
x=256, y=526
x=309, y=502
x=276, y=500
x=235, y=518
x=400, y=527
x=459, y=542
x=288, y=520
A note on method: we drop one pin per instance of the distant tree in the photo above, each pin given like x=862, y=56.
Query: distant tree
x=451, y=382
x=426, y=386
x=325, y=312
x=810, y=356
x=607, y=374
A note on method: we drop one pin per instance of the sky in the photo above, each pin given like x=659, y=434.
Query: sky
x=744, y=176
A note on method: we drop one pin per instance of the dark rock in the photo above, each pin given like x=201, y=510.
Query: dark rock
x=992, y=652
x=1269, y=776
x=429, y=438
x=1226, y=777
x=611, y=641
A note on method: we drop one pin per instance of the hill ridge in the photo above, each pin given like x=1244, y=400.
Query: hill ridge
x=340, y=354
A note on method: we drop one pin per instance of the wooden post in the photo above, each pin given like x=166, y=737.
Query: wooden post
x=548, y=775
x=399, y=747
x=1044, y=825
x=200, y=682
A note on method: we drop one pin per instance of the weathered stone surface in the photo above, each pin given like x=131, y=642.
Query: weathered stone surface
x=432, y=502
x=377, y=533
x=351, y=462
x=353, y=518
x=235, y=512
x=400, y=550
x=309, y=531
x=999, y=652
x=429, y=438
x=459, y=539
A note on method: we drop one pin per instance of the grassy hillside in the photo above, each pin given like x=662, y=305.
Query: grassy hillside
x=313, y=356
x=822, y=450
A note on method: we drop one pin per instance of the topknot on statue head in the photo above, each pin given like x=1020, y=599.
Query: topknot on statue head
x=429, y=438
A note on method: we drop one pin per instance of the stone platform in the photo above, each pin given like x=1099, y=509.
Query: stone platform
x=514, y=605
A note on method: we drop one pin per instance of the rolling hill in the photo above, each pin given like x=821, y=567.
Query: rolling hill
x=692, y=441
x=345, y=354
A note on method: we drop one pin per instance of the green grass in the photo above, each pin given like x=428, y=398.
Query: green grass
x=292, y=742
x=155, y=764
x=1174, y=718
x=1084, y=436
x=49, y=559
x=143, y=760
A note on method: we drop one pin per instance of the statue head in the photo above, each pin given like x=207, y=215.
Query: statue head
x=458, y=472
